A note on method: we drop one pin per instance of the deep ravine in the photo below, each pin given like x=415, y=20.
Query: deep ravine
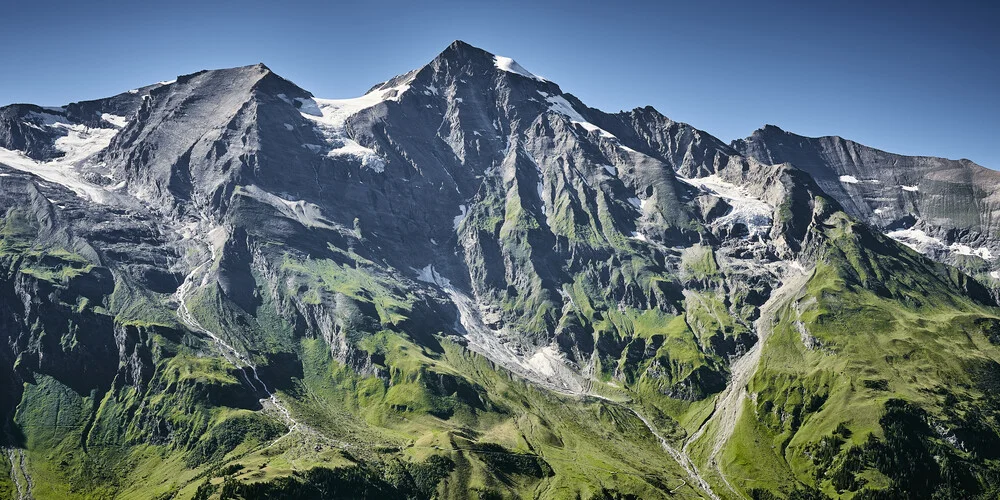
x=729, y=404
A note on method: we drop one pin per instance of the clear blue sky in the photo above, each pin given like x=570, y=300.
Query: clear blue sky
x=910, y=77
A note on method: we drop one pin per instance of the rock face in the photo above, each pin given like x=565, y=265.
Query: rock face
x=207, y=264
x=945, y=208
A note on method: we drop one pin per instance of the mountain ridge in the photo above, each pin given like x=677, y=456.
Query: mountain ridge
x=464, y=282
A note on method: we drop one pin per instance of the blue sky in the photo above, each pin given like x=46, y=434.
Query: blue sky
x=909, y=77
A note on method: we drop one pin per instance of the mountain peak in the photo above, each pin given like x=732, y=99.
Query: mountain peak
x=461, y=52
x=462, y=45
x=250, y=77
x=770, y=129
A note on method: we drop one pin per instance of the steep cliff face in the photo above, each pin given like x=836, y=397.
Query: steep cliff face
x=464, y=281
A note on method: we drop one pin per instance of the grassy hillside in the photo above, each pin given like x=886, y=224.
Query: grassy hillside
x=878, y=382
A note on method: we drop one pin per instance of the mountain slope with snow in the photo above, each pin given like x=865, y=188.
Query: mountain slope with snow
x=953, y=201
x=465, y=282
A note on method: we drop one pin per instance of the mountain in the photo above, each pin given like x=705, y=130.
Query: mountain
x=465, y=283
x=947, y=209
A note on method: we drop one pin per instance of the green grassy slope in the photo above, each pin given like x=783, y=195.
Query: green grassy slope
x=878, y=382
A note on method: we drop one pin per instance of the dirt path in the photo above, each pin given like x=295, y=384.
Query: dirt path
x=729, y=404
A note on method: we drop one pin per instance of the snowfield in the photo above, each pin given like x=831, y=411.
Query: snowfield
x=754, y=213
x=330, y=118
x=79, y=145
x=922, y=242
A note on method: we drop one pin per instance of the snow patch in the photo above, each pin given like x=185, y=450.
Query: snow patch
x=916, y=239
x=849, y=179
x=118, y=121
x=610, y=170
x=983, y=253
x=511, y=66
x=460, y=217
x=911, y=189
x=922, y=242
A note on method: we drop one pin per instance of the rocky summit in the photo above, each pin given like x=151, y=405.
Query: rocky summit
x=468, y=284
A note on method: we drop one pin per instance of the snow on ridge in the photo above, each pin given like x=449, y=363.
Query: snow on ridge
x=849, y=179
x=511, y=66
x=559, y=104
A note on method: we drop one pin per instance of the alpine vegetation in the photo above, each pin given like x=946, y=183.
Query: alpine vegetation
x=466, y=283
